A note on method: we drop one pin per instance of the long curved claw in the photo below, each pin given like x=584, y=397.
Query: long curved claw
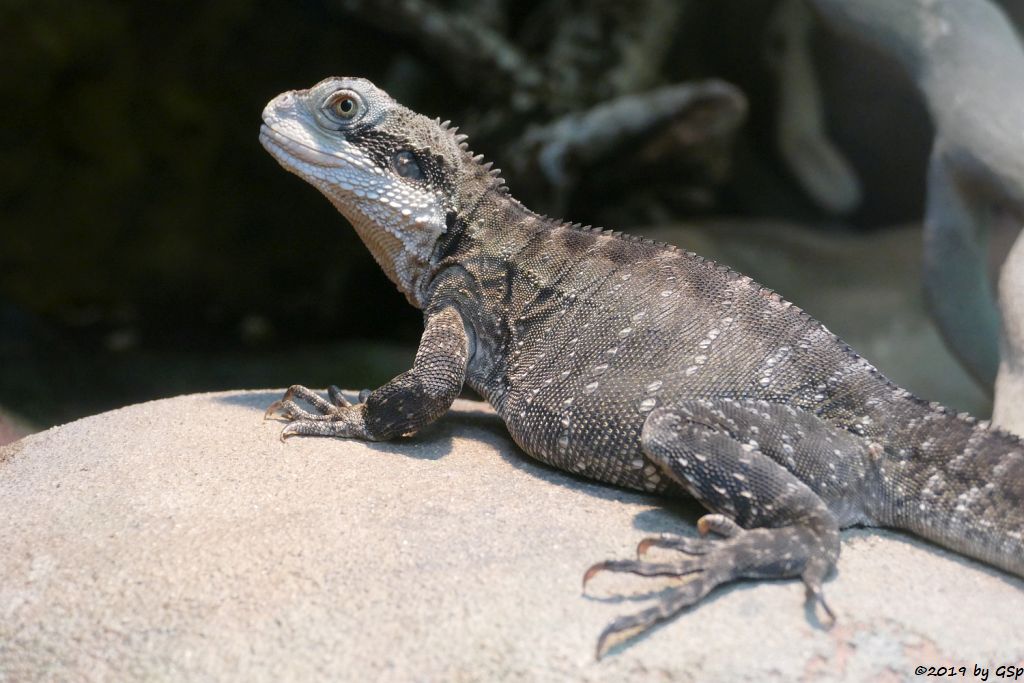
x=638, y=623
x=286, y=432
x=289, y=410
x=593, y=570
x=273, y=408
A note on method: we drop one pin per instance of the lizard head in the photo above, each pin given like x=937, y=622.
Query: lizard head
x=397, y=176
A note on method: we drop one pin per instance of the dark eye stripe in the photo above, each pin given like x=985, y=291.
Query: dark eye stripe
x=382, y=146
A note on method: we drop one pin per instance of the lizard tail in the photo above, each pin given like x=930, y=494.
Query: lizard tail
x=958, y=482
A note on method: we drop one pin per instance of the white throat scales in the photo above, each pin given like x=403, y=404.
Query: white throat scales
x=398, y=221
x=400, y=231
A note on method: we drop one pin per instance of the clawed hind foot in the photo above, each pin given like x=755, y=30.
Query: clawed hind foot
x=734, y=553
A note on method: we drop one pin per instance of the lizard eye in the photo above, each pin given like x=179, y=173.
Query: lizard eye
x=344, y=105
x=405, y=165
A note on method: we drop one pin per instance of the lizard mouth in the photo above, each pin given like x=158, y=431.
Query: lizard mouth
x=282, y=146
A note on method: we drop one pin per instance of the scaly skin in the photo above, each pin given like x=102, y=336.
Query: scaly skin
x=637, y=364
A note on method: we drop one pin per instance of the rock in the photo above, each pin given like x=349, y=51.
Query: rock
x=1008, y=411
x=182, y=540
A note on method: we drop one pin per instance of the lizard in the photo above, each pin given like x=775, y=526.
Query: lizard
x=637, y=364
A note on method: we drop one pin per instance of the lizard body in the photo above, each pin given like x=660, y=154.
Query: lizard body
x=637, y=364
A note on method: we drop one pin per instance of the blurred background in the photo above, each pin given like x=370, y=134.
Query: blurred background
x=150, y=247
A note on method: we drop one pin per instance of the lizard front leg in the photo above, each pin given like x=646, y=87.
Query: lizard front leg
x=408, y=402
x=736, y=457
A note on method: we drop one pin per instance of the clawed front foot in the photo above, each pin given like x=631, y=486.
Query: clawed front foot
x=734, y=554
x=334, y=417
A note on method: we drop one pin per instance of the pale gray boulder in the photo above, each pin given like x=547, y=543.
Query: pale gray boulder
x=182, y=540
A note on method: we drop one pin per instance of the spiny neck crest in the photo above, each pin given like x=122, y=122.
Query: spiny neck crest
x=486, y=168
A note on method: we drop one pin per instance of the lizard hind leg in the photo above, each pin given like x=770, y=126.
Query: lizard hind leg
x=766, y=524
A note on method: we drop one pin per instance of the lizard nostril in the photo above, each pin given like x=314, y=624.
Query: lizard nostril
x=284, y=101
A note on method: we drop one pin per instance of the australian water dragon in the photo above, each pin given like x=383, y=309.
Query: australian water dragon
x=637, y=364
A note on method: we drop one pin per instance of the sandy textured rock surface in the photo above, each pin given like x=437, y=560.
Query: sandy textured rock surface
x=181, y=540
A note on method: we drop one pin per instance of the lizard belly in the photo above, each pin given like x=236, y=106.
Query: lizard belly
x=586, y=434
x=580, y=406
